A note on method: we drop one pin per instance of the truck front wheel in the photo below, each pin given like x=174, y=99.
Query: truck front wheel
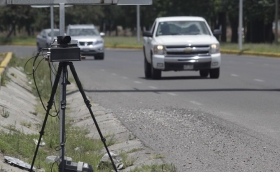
x=147, y=66
x=204, y=73
x=155, y=73
x=215, y=73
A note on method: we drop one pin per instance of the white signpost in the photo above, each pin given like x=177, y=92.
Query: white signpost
x=62, y=4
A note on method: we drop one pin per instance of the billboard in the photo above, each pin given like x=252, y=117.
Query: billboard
x=76, y=2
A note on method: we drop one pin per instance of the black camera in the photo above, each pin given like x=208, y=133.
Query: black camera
x=65, y=50
x=63, y=40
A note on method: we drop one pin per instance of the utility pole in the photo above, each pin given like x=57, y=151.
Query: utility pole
x=240, y=32
x=138, y=23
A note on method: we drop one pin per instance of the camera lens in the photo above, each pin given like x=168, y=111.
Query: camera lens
x=63, y=39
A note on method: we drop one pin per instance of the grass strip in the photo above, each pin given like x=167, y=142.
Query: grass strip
x=271, y=50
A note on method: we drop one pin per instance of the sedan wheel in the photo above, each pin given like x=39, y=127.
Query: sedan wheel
x=99, y=57
x=38, y=47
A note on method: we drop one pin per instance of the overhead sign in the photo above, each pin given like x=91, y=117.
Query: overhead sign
x=76, y=2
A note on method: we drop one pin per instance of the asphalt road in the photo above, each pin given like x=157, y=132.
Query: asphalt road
x=225, y=124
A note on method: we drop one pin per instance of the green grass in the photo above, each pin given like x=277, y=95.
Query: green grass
x=261, y=48
x=21, y=40
x=122, y=42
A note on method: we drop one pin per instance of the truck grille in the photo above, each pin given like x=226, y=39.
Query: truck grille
x=188, y=50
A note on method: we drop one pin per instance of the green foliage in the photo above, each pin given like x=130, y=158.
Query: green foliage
x=25, y=20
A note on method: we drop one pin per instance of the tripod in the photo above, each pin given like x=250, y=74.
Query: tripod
x=62, y=68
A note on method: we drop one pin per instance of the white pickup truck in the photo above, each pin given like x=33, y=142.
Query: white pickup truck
x=179, y=44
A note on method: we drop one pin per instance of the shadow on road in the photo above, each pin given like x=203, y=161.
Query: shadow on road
x=136, y=90
x=176, y=78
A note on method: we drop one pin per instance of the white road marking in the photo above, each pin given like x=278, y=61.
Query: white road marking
x=258, y=80
x=152, y=87
x=137, y=82
x=172, y=94
x=196, y=103
x=234, y=75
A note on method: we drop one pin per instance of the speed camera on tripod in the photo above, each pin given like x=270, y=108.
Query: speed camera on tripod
x=64, y=50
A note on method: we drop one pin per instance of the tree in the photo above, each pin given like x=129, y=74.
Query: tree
x=259, y=19
x=16, y=17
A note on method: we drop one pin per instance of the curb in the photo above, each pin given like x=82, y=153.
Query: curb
x=244, y=52
x=224, y=51
x=4, y=64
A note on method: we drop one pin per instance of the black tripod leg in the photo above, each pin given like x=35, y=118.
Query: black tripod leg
x=50, y=103
x=87, y=102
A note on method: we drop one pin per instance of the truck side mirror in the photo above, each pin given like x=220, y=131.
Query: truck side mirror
x=147, y=34
x=217, y=32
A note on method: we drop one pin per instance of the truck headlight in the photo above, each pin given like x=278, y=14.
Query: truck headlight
x=214, y=48
x=159, y=49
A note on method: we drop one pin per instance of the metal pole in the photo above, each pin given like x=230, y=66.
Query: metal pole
x=138, y=23
x=62, y=18
x=61, y=114
x=276, y=21
x=240, y=24
x=52, y=36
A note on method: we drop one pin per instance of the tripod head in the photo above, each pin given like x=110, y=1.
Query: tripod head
x=64, y=50
x=63, y=40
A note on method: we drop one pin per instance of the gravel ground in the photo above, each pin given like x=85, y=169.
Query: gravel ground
x=197, y=141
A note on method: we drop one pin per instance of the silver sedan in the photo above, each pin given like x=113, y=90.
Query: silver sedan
x=44, y=39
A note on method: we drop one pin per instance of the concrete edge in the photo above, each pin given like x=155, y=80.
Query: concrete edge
x=4, y=64
x=242, y=52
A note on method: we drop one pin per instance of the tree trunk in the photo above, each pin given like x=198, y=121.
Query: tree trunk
x=234, y=28
x=222, y=22
x=269, y=35
x=259, y=32
x=28, y=30
x=11, y=30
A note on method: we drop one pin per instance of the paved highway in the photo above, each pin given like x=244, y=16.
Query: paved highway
x=226, y=124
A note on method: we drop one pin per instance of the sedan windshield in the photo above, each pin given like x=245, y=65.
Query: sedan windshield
x=83, y=32
x=182, y=28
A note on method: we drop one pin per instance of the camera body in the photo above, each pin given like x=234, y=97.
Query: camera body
x=64, y=49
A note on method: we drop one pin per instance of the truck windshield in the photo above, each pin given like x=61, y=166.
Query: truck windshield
x=182, y=28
